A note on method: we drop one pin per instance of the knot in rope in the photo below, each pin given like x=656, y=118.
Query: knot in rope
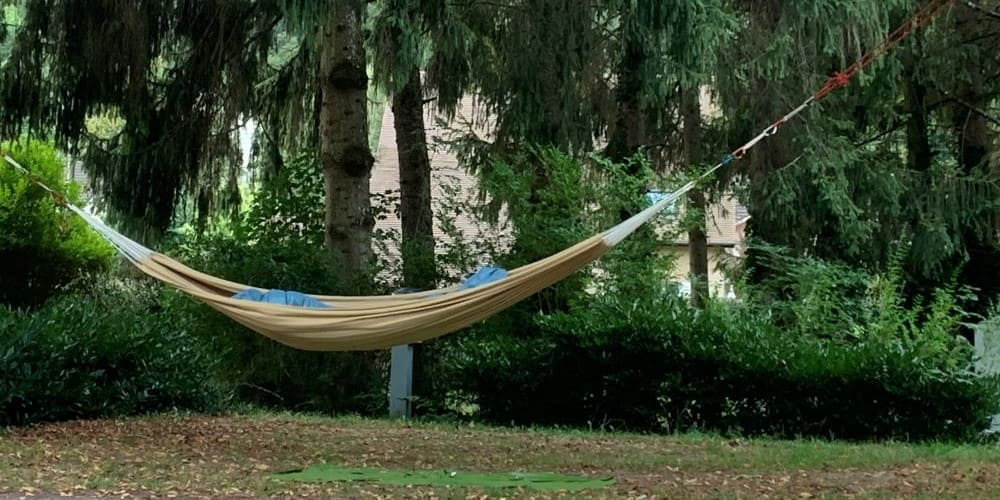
x=841, y=78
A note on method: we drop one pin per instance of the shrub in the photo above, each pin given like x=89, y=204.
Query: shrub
x=289, y=205
x=42, y=247
x=106, y=351
x=655, y=364
x=555, y=200
x=811, y=296
x=262, y=371
x=552, y=201
x=817, y=348
x=574, y=369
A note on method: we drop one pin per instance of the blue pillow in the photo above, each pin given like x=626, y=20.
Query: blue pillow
x=483, y=276
x=282, y=297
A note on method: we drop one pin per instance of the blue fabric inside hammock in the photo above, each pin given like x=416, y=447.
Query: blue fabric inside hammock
x=282, y=297
x=484, y=275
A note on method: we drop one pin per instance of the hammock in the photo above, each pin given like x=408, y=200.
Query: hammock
x=365, y=323
x=375, y=322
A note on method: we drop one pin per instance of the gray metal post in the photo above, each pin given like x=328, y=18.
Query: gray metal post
x=401, y=381
x=987, y=343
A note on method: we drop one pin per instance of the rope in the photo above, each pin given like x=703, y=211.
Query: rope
x=36, y=180
x=919, y=19
x=131, y=249
x=926, y=14
x=975, y=6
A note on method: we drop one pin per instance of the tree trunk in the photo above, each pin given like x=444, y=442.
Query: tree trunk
x=415, y=185
x=419, y=271
x=629, y=131
x=698, y=244
x=975, y=141
x=971, y=128
x=766, y=224
x=762, y=161
x=918, y=159
x=692, y=136
x=918, y=146
x=343, y=135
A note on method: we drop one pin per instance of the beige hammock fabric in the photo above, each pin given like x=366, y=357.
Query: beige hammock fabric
x=362, y=323
x=367, y=323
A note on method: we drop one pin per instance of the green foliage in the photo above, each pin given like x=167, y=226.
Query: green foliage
x=103, y=351
x=656, y=364
x=539, y=186
x=824, y=300
x=42, y=246
x=830, y=300
x=540, y=69
x=180, y=75
x=288, y=206
x=279, y=245
x=397, y=41
x=262, y=372
x=881, y=163
x=286, y=221
x=468, y=239
x=554, y=200
x=816, y=349
x=259, y=370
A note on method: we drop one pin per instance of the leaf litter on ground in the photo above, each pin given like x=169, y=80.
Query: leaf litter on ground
x=237, y=455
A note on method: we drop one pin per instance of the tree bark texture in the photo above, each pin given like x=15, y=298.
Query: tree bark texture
x=629, y=131
x=692, y=135
x=918, y=146
x=975, y=142
x=343, y=131
x=415, y=185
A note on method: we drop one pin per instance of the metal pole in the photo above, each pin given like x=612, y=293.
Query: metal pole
x=401, y=382
x=401, y=375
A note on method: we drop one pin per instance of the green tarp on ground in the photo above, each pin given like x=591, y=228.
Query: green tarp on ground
x=531, y=480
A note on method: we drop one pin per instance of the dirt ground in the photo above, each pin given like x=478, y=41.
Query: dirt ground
x=235, y=456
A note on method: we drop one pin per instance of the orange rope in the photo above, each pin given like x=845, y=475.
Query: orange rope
x=918, y=20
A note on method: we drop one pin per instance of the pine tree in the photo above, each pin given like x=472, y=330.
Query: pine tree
x=399, y=46
x=177, y=74
x=875, y=166
x=343, y=137
x=181, y=76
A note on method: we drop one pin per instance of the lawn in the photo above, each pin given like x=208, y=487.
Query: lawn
x=238, y=455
